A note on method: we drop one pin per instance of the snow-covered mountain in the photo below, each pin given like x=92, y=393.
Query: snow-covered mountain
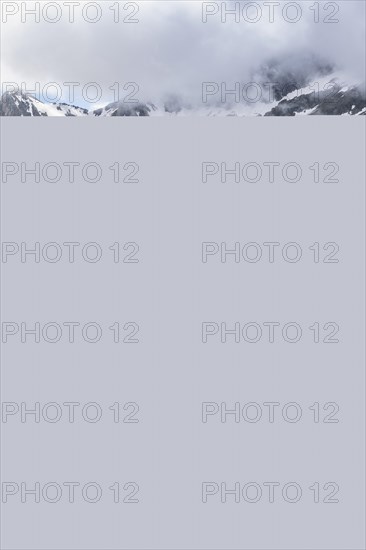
x=327, y=95
x=338, y=99
x=19, y=104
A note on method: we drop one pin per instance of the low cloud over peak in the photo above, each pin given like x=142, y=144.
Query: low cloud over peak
x=170, y=51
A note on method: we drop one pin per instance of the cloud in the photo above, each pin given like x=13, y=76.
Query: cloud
x=170, y=52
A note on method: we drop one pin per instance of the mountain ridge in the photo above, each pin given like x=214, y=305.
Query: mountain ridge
x=338, y=99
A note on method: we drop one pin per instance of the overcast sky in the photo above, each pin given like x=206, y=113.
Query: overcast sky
x=170, y=50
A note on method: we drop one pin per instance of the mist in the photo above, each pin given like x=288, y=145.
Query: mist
x=170, y=51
